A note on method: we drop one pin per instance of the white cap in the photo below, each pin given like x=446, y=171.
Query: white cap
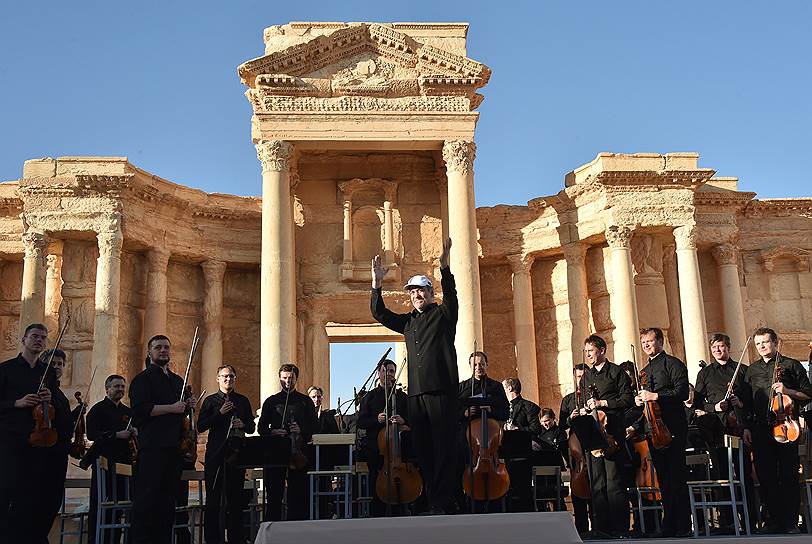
x=418, y=281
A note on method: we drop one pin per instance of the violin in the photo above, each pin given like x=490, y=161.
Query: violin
x=658, y=431
x=601, y=418
x=579, y=473
x=298, y=459
x=486, y=477
x=785, y=428
x=398, y=481
x=78, y=445
x=188, y=436
x=132, y=444
x=44, y=435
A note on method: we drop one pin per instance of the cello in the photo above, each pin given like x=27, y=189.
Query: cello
x=398, y=481
x=486, y=477
x=658, y=431
x=78, y=446
x=579, y=472
x=785, y=428
x=44, y=435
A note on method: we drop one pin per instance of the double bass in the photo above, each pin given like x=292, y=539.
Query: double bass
x=785, y=428
x=398, y=481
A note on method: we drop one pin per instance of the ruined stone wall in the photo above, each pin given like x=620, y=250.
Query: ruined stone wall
x=241, y=329
x=78, y=301
x=11, y=274
x=497, y=321
x=551, y=313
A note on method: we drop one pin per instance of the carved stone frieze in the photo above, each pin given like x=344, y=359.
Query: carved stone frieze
x=351, y=186
x=647, y=256
x=440, y=104
x=275, y=155
x=726, y=253
x=619, y=236
x=685, y=237
x=459, y=156
x=797, y=258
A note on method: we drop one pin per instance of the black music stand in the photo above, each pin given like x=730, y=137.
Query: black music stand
x=260, y=451
x=588, y=433
x=516, y=444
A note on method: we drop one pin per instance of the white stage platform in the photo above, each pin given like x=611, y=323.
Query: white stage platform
x=524, y=528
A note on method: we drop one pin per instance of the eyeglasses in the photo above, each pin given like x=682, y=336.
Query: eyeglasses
x=227, y=376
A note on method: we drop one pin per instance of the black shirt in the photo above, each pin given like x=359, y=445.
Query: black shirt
x=567, y=406
x=554, y=447
x=18, y=379
x=429, y=338
x=490, y=389
x=300, y=411
x=712, y=382
x=372, y=404
x=148, y=389
x=327, y=422
x=210, y=419
x=525, y=415
x=759, y=379
x=668, y=377
x=104, y=420
x=613, y=385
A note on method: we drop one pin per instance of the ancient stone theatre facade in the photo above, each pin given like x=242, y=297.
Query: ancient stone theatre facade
x=365, y=137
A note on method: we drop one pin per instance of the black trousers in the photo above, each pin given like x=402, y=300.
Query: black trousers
x=154, y=493
x=298, y=505
x=225, y=501
x=672, y=474
x=433, y=419
x=32, y=484
x=94, y=502
x=580, y=510
x=610, y=506
x=777, y=471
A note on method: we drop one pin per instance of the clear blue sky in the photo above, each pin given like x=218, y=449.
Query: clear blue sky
x=157, y=82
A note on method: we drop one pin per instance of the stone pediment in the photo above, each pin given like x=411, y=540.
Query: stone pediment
x=364, y=60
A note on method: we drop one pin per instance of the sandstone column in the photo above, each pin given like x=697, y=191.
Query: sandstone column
x=32, y=307
x=276, y=268
x=388, y=233
x=155, y=313
x=442, y=185
x=105, y=324
x=672, y=300
x=347, y=232
x=727, y=257
x=577, y=294
x=400, y=358
x=624, y=298
x=459, y=159
x=524, y=326
x=694, y=328
x=212, y=352
x=53, y=284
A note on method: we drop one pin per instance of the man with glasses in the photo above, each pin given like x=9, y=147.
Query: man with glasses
x=224, y=414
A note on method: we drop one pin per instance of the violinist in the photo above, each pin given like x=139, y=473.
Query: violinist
x=668, y=386
x=776, y=463
x=372, y=418
x=614, y=395
x=523, y=415
x=288, y=413
x=326, y=418
x=158, y=413
x=32, y=478
x=223, y=414
x=433, y=376
x=478, y=385
x=107, y=427
x=571, y=407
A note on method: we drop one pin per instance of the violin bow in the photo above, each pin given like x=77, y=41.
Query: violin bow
x=53, y=351
x=738, y=367
x=195, y=342
x=84, y=401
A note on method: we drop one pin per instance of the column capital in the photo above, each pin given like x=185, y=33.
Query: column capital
x=726, y=253
x=110, y=242
x=213, y=270
x=574, y=252
x=521, y=264
x=685, y=237
x=34, y=244
x=459, y=156
x=619, y=236
x=158, y=259
x=275, y=155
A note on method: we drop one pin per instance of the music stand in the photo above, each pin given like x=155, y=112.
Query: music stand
x=516, y=444
x=260, y=451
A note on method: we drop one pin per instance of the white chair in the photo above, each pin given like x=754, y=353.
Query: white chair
x=321, y=481
x=78, y=515
x=110, y=504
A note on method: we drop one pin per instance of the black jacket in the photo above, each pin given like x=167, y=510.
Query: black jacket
x=218, y=425
x=668, y=377
x=300, y=410
x=149, y=388
x=759, y=380
x=492, y=389
x=525, y=415
x=327, y=422
x=104, y=420
x=372, y=404
x=429, y=339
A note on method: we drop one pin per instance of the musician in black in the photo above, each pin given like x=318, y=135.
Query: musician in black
x=479, y=385
x=612, y=396
x=288, y=413
x=429, y=331
x=158, y=414
x=776, y=464
x=327, y=418
x=32, y=479
x=372, y=418
x=572, y=407
x=224, y=414
x=523, y=415
x=109, y=430
x=668, y=385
